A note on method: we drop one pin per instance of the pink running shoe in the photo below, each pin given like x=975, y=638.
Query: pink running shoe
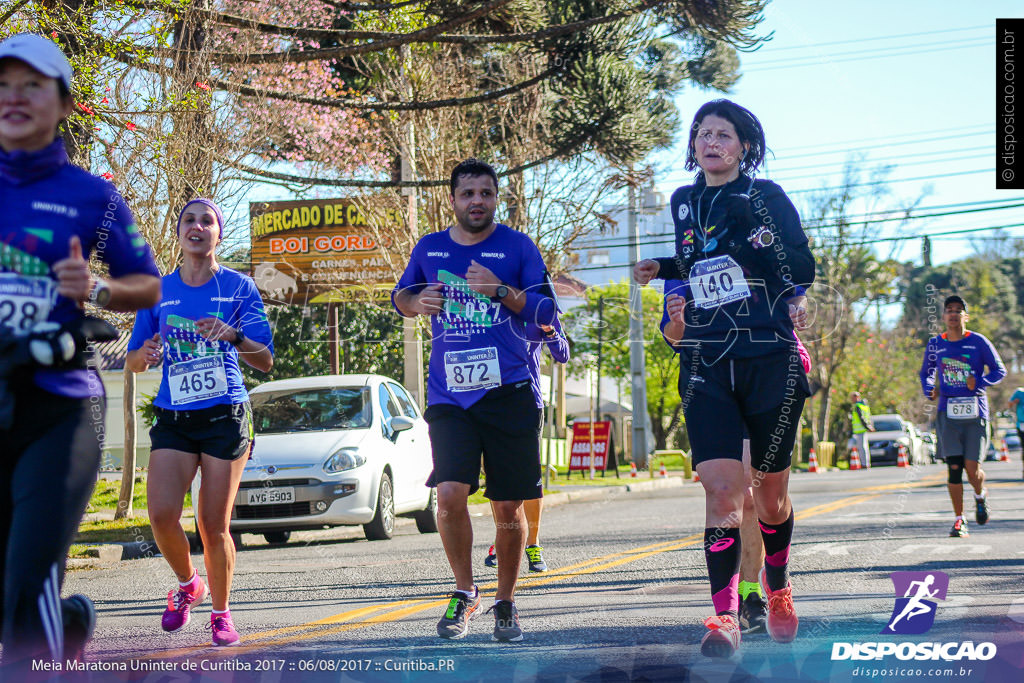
x=782, y=623
x=224, y=633
x=179, y=606
x=723, y=637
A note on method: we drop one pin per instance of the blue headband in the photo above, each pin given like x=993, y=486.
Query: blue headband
x=205, y=202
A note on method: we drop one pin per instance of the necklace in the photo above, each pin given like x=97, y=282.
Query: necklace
x=708, y=245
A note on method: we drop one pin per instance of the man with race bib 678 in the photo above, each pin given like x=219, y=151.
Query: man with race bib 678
x=954, y=374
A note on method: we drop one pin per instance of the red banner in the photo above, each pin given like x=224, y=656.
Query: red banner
x=579, y=453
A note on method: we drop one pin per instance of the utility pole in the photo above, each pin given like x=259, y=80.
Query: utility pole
x=413, y=345
x=600, y=348
x=636, y=343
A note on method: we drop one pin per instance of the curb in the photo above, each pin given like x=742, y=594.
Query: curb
x=108, y=554
x=563, y=497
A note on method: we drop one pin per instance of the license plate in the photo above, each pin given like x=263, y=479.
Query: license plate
x=270, y=496
x=877, y=451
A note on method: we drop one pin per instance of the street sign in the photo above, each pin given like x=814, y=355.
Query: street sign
x=320, y=250
x=579, y=450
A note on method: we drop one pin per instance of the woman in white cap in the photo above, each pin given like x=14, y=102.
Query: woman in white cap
x=55, y=217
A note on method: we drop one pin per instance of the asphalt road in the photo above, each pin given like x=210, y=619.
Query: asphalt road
x=624, y=600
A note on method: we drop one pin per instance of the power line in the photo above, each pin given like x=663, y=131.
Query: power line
x=903, y=238
x=894, y=180
x=820, y=226
x=869, y=217
x=861, y=58
x=804, y=155
x=831, y=56
x=770, y=47
x=847, y=143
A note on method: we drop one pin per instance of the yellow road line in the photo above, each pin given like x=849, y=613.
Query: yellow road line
x=354, y=619
x=930, y=480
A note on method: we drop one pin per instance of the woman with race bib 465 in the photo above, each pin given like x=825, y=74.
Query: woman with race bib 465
x=209, y=318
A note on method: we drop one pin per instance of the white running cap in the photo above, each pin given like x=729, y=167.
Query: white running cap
x=40, y=53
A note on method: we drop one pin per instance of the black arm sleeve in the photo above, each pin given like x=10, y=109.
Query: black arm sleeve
x=788, y=260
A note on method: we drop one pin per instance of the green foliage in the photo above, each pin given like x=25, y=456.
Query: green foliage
x=662, y=363
x=370, y=335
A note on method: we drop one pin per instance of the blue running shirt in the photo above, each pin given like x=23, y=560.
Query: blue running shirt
x=199, y=373
x=45, y=202
x=950, y=362
x=478, y=344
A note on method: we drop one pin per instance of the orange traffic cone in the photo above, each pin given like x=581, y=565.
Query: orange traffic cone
x=812, y=463
x=663, y=473
x=854, y=459
x=1005, y=457
x=901, y=457
x=632, y=470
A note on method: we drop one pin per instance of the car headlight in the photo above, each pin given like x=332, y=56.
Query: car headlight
x=345, y=459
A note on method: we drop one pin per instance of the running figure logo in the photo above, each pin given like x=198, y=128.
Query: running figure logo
x=914, y=613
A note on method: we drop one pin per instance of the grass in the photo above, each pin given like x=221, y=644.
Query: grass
x=114, y=531
x=107, y=492
x=104, y=499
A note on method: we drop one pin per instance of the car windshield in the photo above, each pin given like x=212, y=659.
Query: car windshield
x=887, y=425
x=312, y=409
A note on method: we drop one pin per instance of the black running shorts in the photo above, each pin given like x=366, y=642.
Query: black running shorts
x=224, y=431
x=761, y=396
x=505, y=427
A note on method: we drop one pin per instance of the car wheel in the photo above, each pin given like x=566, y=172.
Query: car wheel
x=382, y=527
x=426, y=519
x=277, y=537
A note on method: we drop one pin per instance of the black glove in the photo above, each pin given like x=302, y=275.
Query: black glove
x=52, y=345
x=739, y=215
x=677, y=267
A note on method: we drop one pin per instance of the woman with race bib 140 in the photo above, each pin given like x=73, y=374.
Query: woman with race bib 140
x=208, y=318
x=745, y=260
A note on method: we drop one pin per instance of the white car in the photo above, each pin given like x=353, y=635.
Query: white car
x=891, y=430
x=335, y=450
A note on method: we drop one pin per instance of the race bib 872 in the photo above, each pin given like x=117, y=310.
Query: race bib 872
x=472, y=369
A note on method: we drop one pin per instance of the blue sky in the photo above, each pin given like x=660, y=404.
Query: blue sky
x=909, y=83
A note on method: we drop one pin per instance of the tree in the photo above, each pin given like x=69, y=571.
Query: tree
x=850, y=278
x=582, y=324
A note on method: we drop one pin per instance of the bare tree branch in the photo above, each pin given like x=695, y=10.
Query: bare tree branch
x=343, y=35
x=422, y=35
x=385, y=106
x=331, y=182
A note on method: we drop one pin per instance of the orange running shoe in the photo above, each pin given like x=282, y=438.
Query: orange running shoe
x=722, y=638
x=782, y=623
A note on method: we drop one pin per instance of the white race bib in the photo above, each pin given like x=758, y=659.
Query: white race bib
x=25, y=301
x=717, y=281
x=197, y=379
x=962, y=408
x=473, y=369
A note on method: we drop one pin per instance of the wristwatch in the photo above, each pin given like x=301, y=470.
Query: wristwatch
x=239, y=338
x=100, y=293
x=500, y=292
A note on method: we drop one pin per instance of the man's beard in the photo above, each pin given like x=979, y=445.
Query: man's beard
x=474, y=229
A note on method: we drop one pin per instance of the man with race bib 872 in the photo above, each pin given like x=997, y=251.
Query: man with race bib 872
x=953, y=372
x=481, y=283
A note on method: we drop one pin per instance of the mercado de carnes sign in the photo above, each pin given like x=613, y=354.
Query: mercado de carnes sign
x=319, y=250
